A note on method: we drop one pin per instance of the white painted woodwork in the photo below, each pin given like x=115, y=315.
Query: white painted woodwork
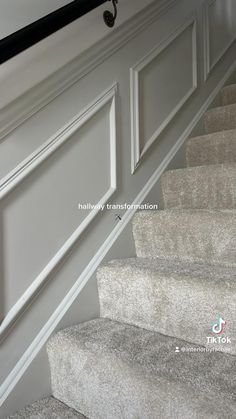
x=99, y=125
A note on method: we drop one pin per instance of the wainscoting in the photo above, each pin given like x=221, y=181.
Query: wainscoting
x=161, y=83
x=35, y=203
x=219, y=30
x=101, y=129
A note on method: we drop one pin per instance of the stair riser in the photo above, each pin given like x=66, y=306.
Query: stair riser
x=220, y=119
x=200, y=188
x=104, y=393
x=228, y=95
x=113, y=396
x=216, y=148
x=189, y=236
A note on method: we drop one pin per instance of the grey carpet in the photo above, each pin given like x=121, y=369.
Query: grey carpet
x=111, y=370
x=221, y=118
x=228, y=95
x=148, y=294
x=48, y=408
x=186, y=235
x=203, y=187
x=214, y=148
x=184, y=276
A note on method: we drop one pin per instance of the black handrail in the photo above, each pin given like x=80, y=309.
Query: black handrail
x=36, y=31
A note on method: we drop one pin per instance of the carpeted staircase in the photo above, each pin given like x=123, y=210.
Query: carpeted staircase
x=152, y=354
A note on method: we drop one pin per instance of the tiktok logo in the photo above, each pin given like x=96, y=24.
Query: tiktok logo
x=218, y=327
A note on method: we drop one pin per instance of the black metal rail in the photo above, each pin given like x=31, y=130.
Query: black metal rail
x=36, y=31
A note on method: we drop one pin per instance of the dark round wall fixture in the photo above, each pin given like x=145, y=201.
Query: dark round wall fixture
x=110, y=18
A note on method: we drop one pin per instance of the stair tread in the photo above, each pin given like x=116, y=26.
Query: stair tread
x=47, y=408
x=229, y=86
x=215, y=148
x=205, y=169
x=212, y=186
x=201, y=169
x=172, y=267
x=132, y=372
x=221, y=109
x=214, y=136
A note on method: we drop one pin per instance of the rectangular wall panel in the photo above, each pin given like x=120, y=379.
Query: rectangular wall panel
x=39, y=211
x=161, y=83
x=219, y=30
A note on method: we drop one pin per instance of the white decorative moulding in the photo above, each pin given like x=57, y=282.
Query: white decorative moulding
x=218, y=34
x=21, y=172
x=157, y=81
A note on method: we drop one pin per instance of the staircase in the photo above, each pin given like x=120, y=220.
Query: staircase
x=152, y=354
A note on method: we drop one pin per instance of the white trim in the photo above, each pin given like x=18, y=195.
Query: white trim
x=25, y=106
x=29, y=165
x=136, y=152
x=208, y=66
x=41, y=339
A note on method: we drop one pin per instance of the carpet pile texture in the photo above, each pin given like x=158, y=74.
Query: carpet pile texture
x=165, y=344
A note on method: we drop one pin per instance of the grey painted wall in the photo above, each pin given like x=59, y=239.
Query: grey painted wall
x=88, y=134
x=16, y=15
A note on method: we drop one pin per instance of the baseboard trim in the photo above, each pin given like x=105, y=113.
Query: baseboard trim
x=22, y=365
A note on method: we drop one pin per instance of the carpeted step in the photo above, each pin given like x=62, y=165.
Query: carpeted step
x=189, y=235
x=202, y=187
x=216, y=148
x=48, y=408
x=165, y=297
x=220, y=119
x=110, y=370
x=228, y=94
